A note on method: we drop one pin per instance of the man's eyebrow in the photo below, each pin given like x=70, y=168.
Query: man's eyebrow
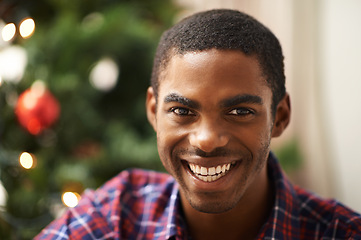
x=239, y=99
x=175, y=97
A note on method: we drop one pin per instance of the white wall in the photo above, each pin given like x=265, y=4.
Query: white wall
x=340, y=72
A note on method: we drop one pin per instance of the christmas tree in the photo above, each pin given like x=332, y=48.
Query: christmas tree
x=74, y=117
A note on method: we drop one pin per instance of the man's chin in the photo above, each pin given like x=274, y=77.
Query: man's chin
x=212, y=206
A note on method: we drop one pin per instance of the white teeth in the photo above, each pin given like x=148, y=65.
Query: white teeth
x=228, y=166
x=191, y=166
x=210, y=174
x=203, y=178
x=198, y=169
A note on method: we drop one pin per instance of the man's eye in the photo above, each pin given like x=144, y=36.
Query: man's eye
x=241, y=112
x=181, y=111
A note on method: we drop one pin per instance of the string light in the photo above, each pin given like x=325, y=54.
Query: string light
x=27, y=27
x=70, y=199
x=8, y=32
x=26, y=160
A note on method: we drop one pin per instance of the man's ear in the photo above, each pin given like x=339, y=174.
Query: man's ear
x=282, y=116
x=151, y=107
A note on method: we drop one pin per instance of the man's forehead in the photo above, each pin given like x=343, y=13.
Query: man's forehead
x=210, y=60
x=196, y=55
x=220, y=74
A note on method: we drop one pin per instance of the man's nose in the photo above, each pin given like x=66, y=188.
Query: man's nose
x=208, y=135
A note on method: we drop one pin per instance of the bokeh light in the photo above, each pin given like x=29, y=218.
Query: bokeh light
x=3, y=196
x=93, y=22
x=26, y=160
x=13, y=61
x=70, y=199
x=104, y=75
x=27, y=27
x=8, y=32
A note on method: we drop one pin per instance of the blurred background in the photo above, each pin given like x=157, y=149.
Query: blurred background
x=73, y=76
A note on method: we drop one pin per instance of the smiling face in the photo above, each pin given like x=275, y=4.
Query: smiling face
x=214, y=122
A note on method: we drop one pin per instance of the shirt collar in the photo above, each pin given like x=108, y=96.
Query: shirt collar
x=285, y=202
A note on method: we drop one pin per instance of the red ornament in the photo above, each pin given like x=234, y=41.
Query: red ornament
x=37, y=109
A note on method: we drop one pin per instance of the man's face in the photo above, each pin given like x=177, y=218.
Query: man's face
x=214, y=123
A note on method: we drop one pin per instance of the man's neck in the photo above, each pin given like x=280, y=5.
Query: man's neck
x=244, y=221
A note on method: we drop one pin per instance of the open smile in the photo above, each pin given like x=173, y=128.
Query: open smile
x=210, y=174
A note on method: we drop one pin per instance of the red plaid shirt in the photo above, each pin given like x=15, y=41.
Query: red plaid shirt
x=139, y=204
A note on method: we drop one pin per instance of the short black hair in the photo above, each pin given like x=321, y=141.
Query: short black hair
x=224, y=29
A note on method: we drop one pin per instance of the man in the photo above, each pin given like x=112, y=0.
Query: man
x=217, y=97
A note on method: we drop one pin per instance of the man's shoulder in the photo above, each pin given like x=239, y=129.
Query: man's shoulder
x=99, y=212
x=130, y=187
x=330, y=216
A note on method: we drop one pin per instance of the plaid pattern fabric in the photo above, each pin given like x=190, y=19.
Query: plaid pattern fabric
x=139, y=204
x=298, y=214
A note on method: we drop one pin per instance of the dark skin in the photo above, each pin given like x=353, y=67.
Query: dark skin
x=214, y=109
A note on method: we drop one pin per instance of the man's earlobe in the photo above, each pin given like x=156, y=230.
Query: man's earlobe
x=282, y=116
x=151, y=108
